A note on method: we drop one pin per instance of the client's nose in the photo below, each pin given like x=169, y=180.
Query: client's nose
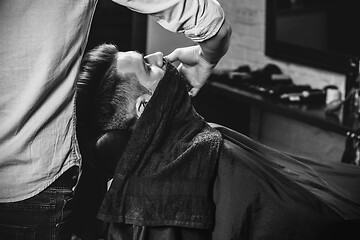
x=155, y=59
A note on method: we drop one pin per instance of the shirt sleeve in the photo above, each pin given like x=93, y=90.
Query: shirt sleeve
x=199, y=20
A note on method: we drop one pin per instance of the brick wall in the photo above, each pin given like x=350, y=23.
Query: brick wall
x=247, y=18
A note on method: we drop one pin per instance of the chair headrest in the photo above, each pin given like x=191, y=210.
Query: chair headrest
x=109, y=147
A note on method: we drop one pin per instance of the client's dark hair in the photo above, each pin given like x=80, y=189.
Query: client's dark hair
x=113, y=95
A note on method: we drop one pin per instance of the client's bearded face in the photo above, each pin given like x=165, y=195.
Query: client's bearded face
x=149, y=70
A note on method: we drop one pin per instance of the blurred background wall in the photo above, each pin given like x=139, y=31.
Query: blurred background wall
x=247, y=18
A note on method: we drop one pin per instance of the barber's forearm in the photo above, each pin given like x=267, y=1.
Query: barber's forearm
x=216, y=47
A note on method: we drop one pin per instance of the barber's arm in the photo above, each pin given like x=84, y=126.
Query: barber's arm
x=197, y=62
x=202, y=21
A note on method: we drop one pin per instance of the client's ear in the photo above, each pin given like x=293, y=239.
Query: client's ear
x=140, y=103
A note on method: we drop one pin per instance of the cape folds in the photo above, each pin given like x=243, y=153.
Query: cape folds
x=164, y=177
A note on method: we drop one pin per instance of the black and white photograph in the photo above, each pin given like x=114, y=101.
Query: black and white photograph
x=179, y=120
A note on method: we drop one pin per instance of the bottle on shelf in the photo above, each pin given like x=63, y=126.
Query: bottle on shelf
x=352, y=89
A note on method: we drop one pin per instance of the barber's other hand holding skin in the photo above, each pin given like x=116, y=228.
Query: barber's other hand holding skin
x=197, y=62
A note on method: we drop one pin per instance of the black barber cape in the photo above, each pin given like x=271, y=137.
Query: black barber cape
x=164, y=176
x=262, y=193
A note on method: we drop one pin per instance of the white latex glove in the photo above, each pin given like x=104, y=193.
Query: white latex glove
x=192, y=66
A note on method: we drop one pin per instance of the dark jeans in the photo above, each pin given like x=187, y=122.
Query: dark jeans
x=44, y=216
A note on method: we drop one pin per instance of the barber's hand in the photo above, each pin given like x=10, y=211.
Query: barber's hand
x=192, y=66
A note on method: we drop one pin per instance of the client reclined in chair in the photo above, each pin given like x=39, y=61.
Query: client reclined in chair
x=174, y=175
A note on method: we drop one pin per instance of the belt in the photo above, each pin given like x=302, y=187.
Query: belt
x=68, y=179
